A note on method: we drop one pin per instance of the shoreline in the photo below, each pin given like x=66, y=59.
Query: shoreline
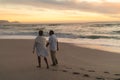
x=71, y=41
x=90, y=45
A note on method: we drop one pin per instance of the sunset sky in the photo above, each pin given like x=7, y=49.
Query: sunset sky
x=55, y=11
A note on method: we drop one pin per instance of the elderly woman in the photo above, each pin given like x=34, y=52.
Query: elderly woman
x=40, y=47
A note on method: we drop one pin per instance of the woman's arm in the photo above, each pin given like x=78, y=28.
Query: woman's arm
x=34, y=46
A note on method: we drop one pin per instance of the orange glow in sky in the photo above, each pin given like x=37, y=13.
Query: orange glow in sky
x=52, y=11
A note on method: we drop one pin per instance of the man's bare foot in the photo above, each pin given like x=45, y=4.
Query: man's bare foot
x=53, y=64
x=47, y=67
x=38, y=66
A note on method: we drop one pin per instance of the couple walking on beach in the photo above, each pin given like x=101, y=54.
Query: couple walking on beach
x=41, y=50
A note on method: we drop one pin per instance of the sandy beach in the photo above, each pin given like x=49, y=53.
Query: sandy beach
x=17, y=62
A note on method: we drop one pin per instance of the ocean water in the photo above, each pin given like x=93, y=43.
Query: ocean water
x=105, y=35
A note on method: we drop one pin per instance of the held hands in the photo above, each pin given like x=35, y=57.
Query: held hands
x=57, y=48
x=47, y=44
x=33, y=51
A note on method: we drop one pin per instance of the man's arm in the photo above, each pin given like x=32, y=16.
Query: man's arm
x=47, y=44
x=57, y=46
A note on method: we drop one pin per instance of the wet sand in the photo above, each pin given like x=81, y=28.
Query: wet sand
x=17, y=62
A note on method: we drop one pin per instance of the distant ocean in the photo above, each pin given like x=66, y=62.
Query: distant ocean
x=101, y=34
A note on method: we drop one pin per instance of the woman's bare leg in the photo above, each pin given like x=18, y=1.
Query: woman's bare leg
x=39, y=62
x=46, y=62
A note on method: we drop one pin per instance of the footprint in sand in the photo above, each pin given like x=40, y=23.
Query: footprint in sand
x=117, y=74
x=106, y=72
x=76, y=73
x=99, y=78
x=64, y=70
x=86, y=75
x=91, y=71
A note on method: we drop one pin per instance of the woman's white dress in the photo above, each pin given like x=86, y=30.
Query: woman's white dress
x=40, y=46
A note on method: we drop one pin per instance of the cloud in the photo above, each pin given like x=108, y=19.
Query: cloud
x=115, y=16
x=102, y=7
